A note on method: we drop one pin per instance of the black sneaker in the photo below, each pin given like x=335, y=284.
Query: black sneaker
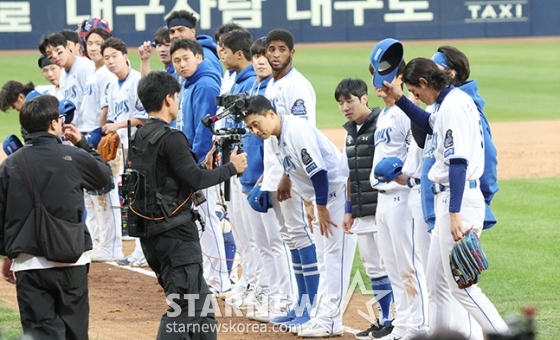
x=386, y=330
x=365, y=334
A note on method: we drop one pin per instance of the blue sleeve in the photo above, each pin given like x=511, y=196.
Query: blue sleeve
x=321, y=185
x=203, y=103
x=457, y=178
x=416, y=114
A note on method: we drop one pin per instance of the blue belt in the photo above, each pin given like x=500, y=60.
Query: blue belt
x=437, y=188
x=411, y=182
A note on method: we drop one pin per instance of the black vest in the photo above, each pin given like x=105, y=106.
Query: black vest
x=360, y=148
x=153, y=199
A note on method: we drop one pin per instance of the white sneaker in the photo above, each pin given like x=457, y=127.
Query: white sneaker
x=254, y=299
x=265, y=316
x=317, y=331
x=391, y=336
x=140, y=263
x=236, y=299
x=296, y=329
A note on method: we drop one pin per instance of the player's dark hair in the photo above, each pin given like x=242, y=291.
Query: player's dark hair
x=259, y=47
x=153, y=88
x=425, y=68
x=38, y=113
x=43, y=43
x=238, y=40
x=161, y=36
x=103, y=33
x=115, y=43
x=349, y=87
x=186, y=44
x=458, y=61
x=11, y=91
x=70, y=35
x=57, y=39
x=280, y=34
x=225, y=28
x=259, y=105
x=182, y=14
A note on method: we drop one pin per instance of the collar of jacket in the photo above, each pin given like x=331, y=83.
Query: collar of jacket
x=40, y=138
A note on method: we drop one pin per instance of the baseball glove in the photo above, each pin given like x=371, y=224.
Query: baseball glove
x=467, y=260
x=108, y=146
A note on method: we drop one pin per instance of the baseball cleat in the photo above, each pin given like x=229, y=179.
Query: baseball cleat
x=380, y=334
x=127, y=261
x=364, y=335
x=317, y=331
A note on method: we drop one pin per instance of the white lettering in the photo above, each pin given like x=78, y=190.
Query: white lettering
x=409, y=9
x=474, y=10
x=98, y=9
x=15, y=17
x=359, y=8
x=140, y=13
x=505, y=11
x=488, y=12
x=320, y=12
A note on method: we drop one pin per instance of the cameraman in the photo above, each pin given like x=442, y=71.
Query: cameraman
x=174, y=253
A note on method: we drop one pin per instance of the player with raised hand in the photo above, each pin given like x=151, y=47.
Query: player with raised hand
x=393, y=217
x=290, y=94
x=359, y=217
x=458, y=145
x=311, y=161
x=162, y=43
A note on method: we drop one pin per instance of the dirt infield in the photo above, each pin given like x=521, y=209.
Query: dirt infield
x=127, y=305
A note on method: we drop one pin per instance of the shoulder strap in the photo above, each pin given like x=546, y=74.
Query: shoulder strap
x=22, y=165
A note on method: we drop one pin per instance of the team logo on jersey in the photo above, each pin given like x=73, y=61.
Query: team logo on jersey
x=88, y=91
x=288, y=164
x=449, y=152
x=383, y=136
x=448, y=141
x=121, y=107
x=71, y=92
x=298, y=108
x=305, y=157
x=429, y=147
x=139, y=106
x=311, y=167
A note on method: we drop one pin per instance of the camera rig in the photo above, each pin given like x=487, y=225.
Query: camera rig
x=236, y=105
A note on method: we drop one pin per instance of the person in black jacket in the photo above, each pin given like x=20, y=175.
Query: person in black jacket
x=52, y=296
x=172, y=243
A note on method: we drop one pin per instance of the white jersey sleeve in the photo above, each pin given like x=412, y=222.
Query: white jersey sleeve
x=74, y=83
x=457, y=134
x=94, y=98
x=413, y=164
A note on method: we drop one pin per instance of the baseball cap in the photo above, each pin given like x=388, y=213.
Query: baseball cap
x=259, y=200
x=388, y=169
x=67, y=108
x=385, y=59
x=11, y=144
x=32, y=95
x=94, y=137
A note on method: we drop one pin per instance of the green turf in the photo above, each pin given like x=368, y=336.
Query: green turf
x=10, y=325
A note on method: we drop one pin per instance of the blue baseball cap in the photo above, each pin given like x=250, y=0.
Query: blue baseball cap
x=94, y=137
x=67, y=108
x=385, y=59
x=388, y=169
x=259, y=200
x=11, y=144
x=32, y=94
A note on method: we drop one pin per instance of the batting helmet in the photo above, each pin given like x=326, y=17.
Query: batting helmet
x=259, y=200
x=385, y=59
x=86, y=26
x=67, y=108
x=32, y=95
x=94, y=137
x=11, y=144
x=388, y=169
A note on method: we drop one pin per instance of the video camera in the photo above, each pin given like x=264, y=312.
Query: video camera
x=236, y=105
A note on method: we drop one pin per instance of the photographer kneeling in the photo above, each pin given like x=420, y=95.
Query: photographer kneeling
x=159, y=184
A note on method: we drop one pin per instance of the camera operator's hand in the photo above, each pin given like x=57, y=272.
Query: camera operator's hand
x=71, y=133
x=209, y=159
x=145, y=50
x=239, y=161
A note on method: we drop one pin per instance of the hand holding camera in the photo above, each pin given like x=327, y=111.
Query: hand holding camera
x=239, y=160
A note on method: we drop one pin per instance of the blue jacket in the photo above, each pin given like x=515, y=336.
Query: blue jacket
x=210, y=53
x=198, y=98
x=259, y=88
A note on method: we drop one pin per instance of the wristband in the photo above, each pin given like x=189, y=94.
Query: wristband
x=348, y=207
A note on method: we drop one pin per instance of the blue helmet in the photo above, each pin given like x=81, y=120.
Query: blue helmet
x=259, y=200
x=67, y=108
x=94, y=137
x=11, y=144
x=87, y=25
x=32, y=95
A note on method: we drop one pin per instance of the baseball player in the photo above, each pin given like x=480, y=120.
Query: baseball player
x=458, y=146
x=162, y=43
x=123, y=106
x=229, y=74
x=197, y=99
x=394, y=220
x=359, y=217
x=311, y=161
x=290, y=94
x=103, y=218
x=76, y=72
x=52, y=74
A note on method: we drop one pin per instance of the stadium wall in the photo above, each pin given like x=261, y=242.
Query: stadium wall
x=23, y=22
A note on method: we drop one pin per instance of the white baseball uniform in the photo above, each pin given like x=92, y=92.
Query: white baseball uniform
x=457, y=134
x=123, y=104
x=303, y=151
x=73, y=85
x=396, y=230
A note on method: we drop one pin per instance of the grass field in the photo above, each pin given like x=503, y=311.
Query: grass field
x=519, y=81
